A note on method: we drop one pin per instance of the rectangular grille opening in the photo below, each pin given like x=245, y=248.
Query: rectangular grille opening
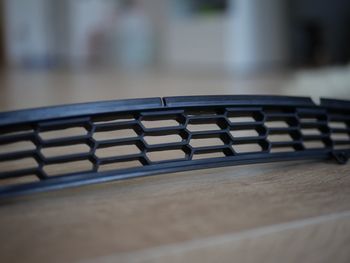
x=276, y=124
x=115, y=134
x=159, y=123
x=154, y=140
x=167, y=155
x=113, y=119
x=313, y=144
x=244, y=133
x=63, y=133
x=17, y=147
x=282, y=149
x=247, y=148
x=310, y=131
x=244, y=115
x=280, y=137
x=198, y=156
x=119, y=150
x=119, y=165
x=203, y=127
x=20, y=164
x=64, y=150
x=68, y=168
x=203, y=142
x=247, y=118
x=342, y=146
x=340, y=136
x=16, y=132
x=308, y=119
x=337, y=124
x=19, y=180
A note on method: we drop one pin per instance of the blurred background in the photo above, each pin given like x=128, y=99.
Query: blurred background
x=68, y=51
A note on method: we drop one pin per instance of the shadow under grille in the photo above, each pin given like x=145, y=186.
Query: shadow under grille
x=71, y=145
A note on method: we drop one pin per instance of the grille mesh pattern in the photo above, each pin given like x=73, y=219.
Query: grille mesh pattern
x=179, y=131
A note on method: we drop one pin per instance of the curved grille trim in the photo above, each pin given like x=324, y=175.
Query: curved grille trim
x=71, y=145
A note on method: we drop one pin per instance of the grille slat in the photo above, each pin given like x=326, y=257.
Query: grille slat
x=18, y=173
x=171, y=145
x=16, y=138
x=249, y=139
x=115, y=159
x=116, y=142
x=61, y=124
x=164, y=130
x=168, y=146
x=343, y=142
x=142, y=137
x=65, y=141
x=66, y=158
x=207, y=134
x=315, y=137
x=280, y=115
x=313, y=124
x=339, y=117
x=340, y=130
x=17, y=155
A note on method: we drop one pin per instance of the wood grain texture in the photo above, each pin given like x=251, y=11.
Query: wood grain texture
x=317, y=239
x=147, y=219
x=93, y=221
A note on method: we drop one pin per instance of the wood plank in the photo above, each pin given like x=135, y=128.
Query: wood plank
x=93, y=221
x=317, y=239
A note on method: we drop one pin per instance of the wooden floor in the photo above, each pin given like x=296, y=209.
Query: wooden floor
x=281, y=212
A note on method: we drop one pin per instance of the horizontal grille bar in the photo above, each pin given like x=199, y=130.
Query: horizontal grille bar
x=80, y=144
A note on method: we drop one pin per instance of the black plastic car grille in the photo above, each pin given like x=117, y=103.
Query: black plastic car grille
x=56, y=147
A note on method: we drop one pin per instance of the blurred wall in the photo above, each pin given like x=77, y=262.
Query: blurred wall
x=257, y=35
x=87, y=17
x=29, y=38
x=196, y=42
x=2, y=35
x=250, y=35
x=245, y=35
